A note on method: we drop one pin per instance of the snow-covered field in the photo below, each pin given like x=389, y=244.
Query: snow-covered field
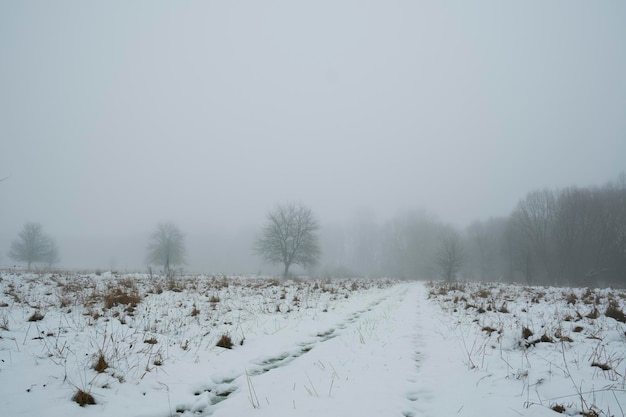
x=141, y=346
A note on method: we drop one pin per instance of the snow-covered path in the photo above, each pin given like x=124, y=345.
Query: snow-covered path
x=369, y=367
x=402, y=357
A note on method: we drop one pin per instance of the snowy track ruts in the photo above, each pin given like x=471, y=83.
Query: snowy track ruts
x=416, y=393
x=220, y=389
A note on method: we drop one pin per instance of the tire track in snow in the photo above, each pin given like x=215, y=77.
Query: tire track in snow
x=416, y=394
x=209, y=395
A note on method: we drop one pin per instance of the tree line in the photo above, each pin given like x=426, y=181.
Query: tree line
x=570, y=236
x=288, y=238
x=573, y=236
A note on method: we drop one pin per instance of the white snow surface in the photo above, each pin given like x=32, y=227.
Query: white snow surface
x=306, y=348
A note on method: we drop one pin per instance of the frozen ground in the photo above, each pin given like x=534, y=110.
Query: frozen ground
x=306, y=348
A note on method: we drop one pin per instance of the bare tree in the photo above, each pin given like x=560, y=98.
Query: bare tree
x=289, y=237
x=32, y=245
x=450, y=256
x=166, y=247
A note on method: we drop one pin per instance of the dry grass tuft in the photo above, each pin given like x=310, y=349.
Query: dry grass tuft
x=83, y=398
x=594, y=314
x=489, y=330
x=526, y=333
x=37, y=316
x=4, y=322
x=174, y=286
x=195, y=311
x=225, y=342
x=571, y=299
x=483, y=293
x=101, y=364
x=603, y=366
x=614, y=311
x=117, y=296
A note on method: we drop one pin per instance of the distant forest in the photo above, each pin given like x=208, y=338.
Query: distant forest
x=572, y=236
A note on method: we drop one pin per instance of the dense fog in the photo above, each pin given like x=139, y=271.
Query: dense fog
x=408, y=128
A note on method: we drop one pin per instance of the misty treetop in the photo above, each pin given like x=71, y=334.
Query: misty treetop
x=289, y=237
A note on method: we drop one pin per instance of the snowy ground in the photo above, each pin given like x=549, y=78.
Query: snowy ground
x=306, y=348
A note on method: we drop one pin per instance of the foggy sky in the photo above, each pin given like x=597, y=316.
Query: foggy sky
x=117, y=115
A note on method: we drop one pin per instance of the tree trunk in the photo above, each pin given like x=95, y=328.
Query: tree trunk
x=286, y=273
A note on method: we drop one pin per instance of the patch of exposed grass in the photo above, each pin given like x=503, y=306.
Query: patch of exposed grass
x=101, y=363
x=603, y=366
x=37, y=316
x=489, y=330
x=83, y=398
x=225, y=342
x=594, y=314
x=117, y=296
x=614, y=311
x=526, y=333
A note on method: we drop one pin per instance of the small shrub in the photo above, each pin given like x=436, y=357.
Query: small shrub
x=214, y=299
x=83, y=398
x=526, y=333
x=151, y=341
x=578, y=329
x=225, y=342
